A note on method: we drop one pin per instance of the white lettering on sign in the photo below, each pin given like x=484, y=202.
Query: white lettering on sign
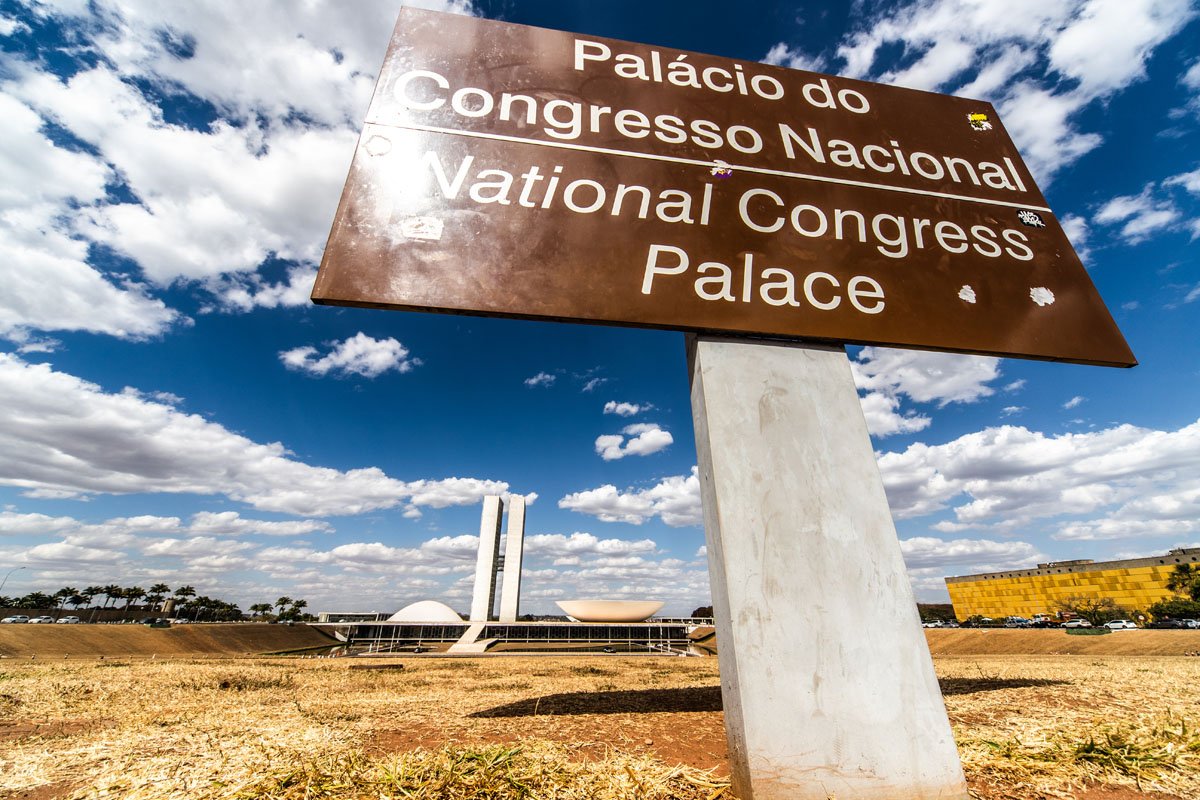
x=772, y=285
x=569, y=121
x=678, y=71
x=580, y=195
x=764, y=211
x=877, y=158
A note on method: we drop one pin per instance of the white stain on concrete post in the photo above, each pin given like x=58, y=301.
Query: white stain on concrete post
x=514, y=546
x=484, y=596
x=828, y=686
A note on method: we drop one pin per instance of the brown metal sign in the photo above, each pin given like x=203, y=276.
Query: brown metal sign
x=522, y=172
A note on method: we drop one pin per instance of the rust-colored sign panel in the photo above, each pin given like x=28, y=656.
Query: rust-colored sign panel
x=521, y=172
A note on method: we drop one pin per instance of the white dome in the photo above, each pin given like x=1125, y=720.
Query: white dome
x=426, y=611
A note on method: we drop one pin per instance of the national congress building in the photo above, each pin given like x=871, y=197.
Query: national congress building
x=1133, y=584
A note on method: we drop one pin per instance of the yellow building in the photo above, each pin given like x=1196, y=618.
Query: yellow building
x=1133, y=584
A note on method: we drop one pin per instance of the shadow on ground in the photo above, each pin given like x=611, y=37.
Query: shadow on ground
x=642, y=701
x=702, y=698
x=972, y=685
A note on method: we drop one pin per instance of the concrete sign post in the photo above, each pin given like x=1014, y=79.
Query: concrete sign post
x=512, y=171
x=828, y=687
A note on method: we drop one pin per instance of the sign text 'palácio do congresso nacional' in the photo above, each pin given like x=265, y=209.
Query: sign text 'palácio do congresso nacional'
x=515, y=171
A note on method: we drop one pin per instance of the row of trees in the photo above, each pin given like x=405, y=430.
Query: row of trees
x=188, y=604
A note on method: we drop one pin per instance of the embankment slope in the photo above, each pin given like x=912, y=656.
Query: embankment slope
x=1006, y=641
x=140, y=641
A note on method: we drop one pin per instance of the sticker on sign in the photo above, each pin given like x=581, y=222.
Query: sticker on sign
x=522, y=172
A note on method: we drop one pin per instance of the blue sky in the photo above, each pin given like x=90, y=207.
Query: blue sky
x=173, y=408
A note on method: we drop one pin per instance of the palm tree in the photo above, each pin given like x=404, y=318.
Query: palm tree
x=283, y=602
x=131, y=594
x=63, y=595
x=37, y=600
x=112, y=593
x=157, y=592
x=260, y=608
x=184, y=592
x=90, y=594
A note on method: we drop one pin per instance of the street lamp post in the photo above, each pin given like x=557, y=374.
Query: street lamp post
x=10, y=572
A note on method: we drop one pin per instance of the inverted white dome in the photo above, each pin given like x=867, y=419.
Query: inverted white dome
x=426, y=611
x=609, y=610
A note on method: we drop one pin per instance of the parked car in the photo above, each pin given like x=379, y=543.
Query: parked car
x=68, y=621
x=42, y=620
x=1120, y=625
x=1017, y=622
x=1177, y=624
x=937, y=623
x=1077, y=623
x=15, y=619
x=1191, y=623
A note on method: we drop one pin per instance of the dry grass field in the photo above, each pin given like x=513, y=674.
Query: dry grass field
x=1111, y=728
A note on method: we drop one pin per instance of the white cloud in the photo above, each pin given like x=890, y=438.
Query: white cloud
x=62, y=434
x=887, y=374
x=578, y=544
x=123, y=530
x=212, y=202
x=645, y=438
x=623, y=409
x=48, y=283
x=1074, y=402
x=357, y=355
x=1188, y=180
x=675, y=500
x=1142, y=214
x=464, y=547
x=196, y=546
x=923, y=552
x=782, y=55
x=593, y=383
x=883, y=417
x=1006, y=477
x=13, y=523
x=9, y=26
x=1191, y=78
x=232, y=523
x=1105, y=45
x=1008, y=411
x=941, y=378
x=1076, y=229
x=272, y=58
x=70, y=553
x=1091, y=49
x=247, y=292
x=541, y=379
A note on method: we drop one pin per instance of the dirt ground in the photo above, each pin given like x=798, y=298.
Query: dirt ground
x=1028, y=727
